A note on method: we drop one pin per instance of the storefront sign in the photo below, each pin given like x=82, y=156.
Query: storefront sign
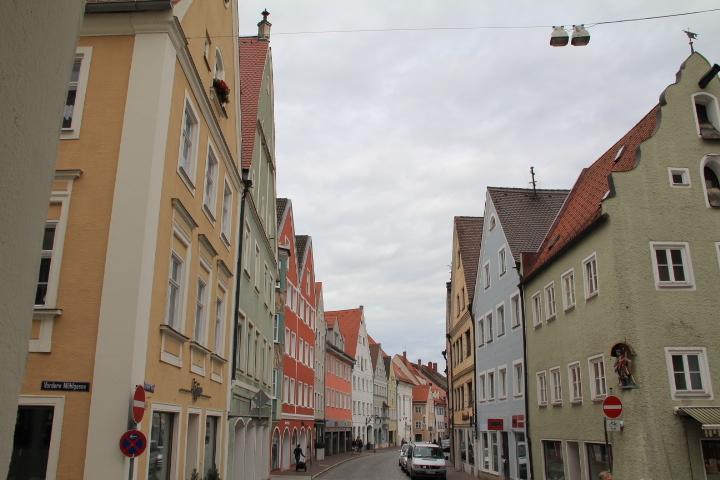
x=495, y=424
x=60, y=385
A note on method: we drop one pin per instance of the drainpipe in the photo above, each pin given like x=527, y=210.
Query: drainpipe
x=448, y=368
x=528, y=442
x=474, y=393
x=246, y=186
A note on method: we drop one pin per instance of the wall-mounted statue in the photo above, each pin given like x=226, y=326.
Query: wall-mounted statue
x=623, y=365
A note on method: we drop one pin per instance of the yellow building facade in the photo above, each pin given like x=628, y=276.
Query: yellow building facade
x=136, y=285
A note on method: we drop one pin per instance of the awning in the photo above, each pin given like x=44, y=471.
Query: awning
x=709, y=418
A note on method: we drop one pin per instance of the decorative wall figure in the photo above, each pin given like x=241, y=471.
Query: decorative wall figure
x=623, y=365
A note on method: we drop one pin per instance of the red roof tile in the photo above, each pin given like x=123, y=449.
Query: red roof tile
x=583, y=205
x=420, y=393
x=253, y=56
x=349, y=321
x=400, y=374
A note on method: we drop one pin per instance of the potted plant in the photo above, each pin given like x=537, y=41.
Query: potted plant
x=221, y=90
x=320, y=450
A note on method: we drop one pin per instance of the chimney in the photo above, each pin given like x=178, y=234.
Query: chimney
x=404, y=355
x=419, y=362
x=361, y=308
x=264, y=27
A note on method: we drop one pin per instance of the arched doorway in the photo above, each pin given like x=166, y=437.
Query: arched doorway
x=293, y=444
x=368, y=435
x=275, y=450
x=239, y=454
x=250, y=451
x=303, y=441
x=286, y=450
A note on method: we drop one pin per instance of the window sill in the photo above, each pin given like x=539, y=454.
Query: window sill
x=577, y=401
x=569, y=308
x=195, y=345
x=537, y=325
x=210, y=215
x=557, y=404
x=684, y=395
x=219, y=358
x=599, y=399
x=591, y=296
x=225, y=239
x=551, y=318
x=69, y=134
x=674, y=286
x=165, y=328
x=542, y=405
x=186, y=180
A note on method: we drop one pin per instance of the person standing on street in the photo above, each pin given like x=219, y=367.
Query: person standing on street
x=298, y=453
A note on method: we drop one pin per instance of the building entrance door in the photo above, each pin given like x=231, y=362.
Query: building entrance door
x=505, y=455
x=32, y=442
x=711, y=459
x=573, y=455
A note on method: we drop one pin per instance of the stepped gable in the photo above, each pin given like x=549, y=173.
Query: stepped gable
x=583, y=207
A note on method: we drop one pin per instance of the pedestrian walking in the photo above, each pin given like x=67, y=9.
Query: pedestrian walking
x=299, y=453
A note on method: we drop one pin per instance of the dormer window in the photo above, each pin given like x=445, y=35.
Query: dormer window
x=706, y=116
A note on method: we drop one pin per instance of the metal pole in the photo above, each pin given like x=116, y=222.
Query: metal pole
x=607, y=444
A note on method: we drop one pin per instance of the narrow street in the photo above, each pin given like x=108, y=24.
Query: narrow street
x=381, y=466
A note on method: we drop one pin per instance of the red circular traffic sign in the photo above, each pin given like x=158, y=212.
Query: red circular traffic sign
x=133, y=443
x=138, y=404
x=612, y=406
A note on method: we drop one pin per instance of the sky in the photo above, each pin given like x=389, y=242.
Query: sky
x=383, y=137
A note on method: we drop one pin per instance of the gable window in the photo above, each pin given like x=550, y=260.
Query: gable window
x=590, y=276
x=493, y=222
x=679, y=177
x=175, y=283
x=550, y=300
x=500, y=314
x=711, y=173
x=537, y=309
x=541, y=378
x=188, y=144
x=671, y=264
x=688, y=372
x=75, y=100
x=502, y=263
x=568, y=288
x=226, y=212
x=211, y=174
x=486, y=273
x=706, y=116
x=518, y=378
x=515, y=310
x=575, y=382
x=555, y=386
x=598, y=387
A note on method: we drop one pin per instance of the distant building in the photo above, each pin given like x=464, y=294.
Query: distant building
x=381, y=407
x=339, y=365
x=320, y=340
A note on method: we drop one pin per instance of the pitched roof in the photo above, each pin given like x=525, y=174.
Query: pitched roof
x=583, y=205
x=374, y=353
x=400, y=374
x=253, y=56
x=431, y=375
x=371, y=340
x=280, y=206
x=525, y=215
x=301, y=242
x=349, y=321
x=469, y=234
x=420, y=393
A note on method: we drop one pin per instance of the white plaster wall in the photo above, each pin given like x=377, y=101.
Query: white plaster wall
x=36, y=55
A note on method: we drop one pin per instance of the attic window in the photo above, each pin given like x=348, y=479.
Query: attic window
x=711, y=174
x=706, y=116
x=619, y=154
x=679, y=177
x=492, y=223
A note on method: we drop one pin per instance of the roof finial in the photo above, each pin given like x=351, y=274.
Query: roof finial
x=264, y=27
x=533, y=181
x=691, y=36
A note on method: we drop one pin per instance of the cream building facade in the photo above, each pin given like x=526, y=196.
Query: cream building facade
x=136, y=283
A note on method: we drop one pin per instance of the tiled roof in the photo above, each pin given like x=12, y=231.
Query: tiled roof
x=301, y=243
x=583, y=205
x=280, y=206
x=420, y=393
x=374, y=354
x=469, y=233
x=371, y=340
x=400, y=374
x=431, y=375
x=349, y=321
x=526, y=215
x=253, y=56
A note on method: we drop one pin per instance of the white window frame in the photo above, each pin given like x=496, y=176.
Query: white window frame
x=711, y=104
x=502, y=261
x=200, y=329
x=701, y=352
x=596, y=395
x=219, y=73
x=541, y=384
x=550, y=303
x=188, y=177
x=711, y=161
x=211, y=182
x=591, y=259
x=684, y=247
x=515, y=311
x=220, y=315
x=480, y=332
x=491, y=384
x=683, y=172
x=489, y=330
x=569, y=274
x=482, y=387
x=226, y=214
x=575, y=382
x=176, y=410
x=518, y=386
x=178, y=324
x=555, y=386
x=500, y=319
x=502, y=382
x=84, y=54
x=486, y=275
x=537, y=309
x=58, y=404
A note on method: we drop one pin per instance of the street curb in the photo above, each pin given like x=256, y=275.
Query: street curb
x=340, y=463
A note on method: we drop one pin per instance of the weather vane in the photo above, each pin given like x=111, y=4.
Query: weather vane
x=691, y=36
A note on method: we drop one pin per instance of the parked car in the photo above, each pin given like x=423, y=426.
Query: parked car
x=402, y=460
x=426, y=460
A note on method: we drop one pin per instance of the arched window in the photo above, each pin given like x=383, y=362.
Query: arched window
x=219, y=66
x=711, y=174
x=706, y=116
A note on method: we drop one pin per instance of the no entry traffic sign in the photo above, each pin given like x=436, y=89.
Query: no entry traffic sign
x=138, y=404
x=612, y=407
x=133, y=443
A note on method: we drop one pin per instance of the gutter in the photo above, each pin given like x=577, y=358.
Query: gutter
x=528, y=442
x=247, y=185
x=128, y=6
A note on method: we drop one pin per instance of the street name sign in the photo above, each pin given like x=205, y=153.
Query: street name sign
x=612, y=407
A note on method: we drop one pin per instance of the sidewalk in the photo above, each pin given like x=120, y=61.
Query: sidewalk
x=317, y=467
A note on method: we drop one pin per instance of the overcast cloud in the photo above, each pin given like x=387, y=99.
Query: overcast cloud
x=383, y=137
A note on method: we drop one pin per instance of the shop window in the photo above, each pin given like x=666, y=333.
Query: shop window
x=553, y=459
x=597, y=458
x=162, y=451
x=711, y=458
